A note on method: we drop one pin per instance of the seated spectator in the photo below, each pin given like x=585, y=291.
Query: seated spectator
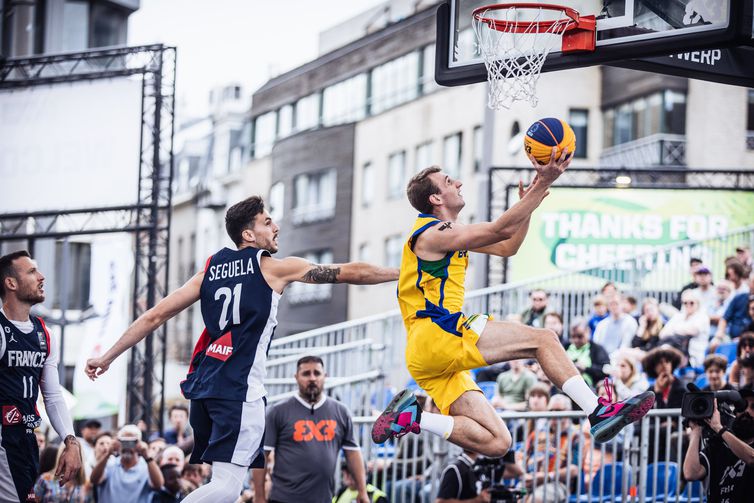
x=539, y=396
x=180, y=434
x=694, y=264
x=191, y=477
x=512, y=387
x=549, y=454
x=659, y=364
x=744, y=352
x=743, y=254
x=554, y=321
x=724, y=294
x=688, y=330
x=349, y=491
x=736, y=318
x=630, y=306
x=735, y=272
x=132, y=476
x=48, y=488
x=588, y=357
x=627, y=380
x=535, y=313
x=617, y=330
x=705, y=288
x=599, y=312
x=156, y=447
x=173, y=455
x=650, y=323
x=714, y=368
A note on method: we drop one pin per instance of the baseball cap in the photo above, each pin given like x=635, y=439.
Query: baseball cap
x=92, y=423
x=703, y=270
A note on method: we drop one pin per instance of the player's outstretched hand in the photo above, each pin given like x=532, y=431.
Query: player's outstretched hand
x=95, y=367
x=69, y=463
x=550, y=172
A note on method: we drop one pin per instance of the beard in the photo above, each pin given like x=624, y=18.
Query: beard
x=31, y=296
x=743, y=426
x=312, y=392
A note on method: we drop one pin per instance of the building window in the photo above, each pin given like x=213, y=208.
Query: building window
x=661, y=112
x=750, y=121
x=304, y=293
x=478, y=147
x=394, y=82
x=314, y=196
x=451, y=155
x=307, y=112
x=78, y=275
x=396, y=174
x=345, y=101
x=285, y=121
x=75, y=26
x=367, y=184
x=427, y=81
x=579, y=120
x=277, y=201
x=423, y=156
x=365, y=253
x=264, y=133
x=393, y=251
x=109, y=25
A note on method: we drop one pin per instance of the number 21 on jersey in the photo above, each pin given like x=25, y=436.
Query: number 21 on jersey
x=228, y=297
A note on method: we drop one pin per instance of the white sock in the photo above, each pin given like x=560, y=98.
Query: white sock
x=438, y=424
x=577, y=389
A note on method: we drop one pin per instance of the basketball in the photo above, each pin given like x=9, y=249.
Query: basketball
x=547, y=133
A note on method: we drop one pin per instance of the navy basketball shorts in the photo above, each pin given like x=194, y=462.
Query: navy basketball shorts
x=228, y=431
x=19, y=463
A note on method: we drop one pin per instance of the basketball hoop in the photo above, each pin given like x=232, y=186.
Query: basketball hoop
x=514, y=49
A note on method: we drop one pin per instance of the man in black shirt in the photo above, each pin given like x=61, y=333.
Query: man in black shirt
x=727, y=461
x=459, y=482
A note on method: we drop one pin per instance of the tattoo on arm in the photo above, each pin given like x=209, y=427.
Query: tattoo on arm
x=445, y=225
x=322, y=274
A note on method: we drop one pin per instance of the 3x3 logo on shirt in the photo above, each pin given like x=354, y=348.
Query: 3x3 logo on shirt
x=306, y=430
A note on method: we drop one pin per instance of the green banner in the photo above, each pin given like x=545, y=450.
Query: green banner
x=578, y=227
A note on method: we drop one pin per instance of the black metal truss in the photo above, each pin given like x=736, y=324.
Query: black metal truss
x=148, y=219
x=502, y=179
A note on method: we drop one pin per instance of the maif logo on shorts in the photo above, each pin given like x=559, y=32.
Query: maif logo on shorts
x=305, y=430
x=11, y=415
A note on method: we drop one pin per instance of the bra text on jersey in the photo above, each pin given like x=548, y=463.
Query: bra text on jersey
x=231, y=269
x=25, y=358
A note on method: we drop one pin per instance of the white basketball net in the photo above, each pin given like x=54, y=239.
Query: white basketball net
x=514, y=54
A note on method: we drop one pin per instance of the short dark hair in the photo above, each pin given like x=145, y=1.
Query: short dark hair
x=6, y=267
x=715, y=360
x=420, y=187
x=651, y=359
x=178, y=406
x=737, y=267
x=191, y=468
x=240, y=217
x=309, y=359
x=695, y=260
x=103, y=434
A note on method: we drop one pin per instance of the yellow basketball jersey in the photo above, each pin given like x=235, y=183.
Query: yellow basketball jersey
x=431, y=289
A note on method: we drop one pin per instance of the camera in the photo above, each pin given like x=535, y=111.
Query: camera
x=128, y=443
x=489, y=472
x=699, y=405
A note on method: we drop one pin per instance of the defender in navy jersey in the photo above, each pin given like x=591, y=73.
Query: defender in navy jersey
x=28, y=362
x=239, y=292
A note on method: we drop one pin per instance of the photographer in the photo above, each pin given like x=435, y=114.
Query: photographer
x=133, y=477
x=458, y=481
x=727, y=460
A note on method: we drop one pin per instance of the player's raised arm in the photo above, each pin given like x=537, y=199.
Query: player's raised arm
x=280, y=273
x=147, y=323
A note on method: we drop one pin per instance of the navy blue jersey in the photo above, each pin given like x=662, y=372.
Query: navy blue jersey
x=239, y=310
x=22, y=357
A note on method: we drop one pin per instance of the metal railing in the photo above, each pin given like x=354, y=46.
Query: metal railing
x=655, y=150
x=644, y=463
x=378, y=342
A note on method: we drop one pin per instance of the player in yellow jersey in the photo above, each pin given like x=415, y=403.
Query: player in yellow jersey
x=444, y=343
